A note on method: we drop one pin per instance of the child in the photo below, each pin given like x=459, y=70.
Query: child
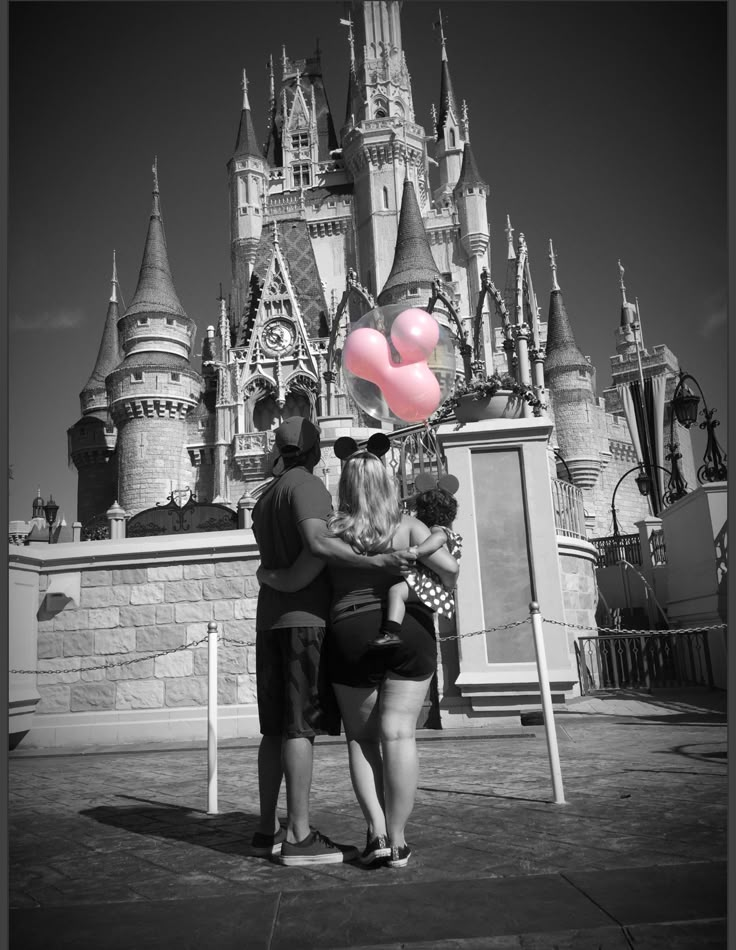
x=437, y=509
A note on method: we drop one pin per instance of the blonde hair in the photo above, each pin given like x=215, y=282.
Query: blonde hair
x=368, y=505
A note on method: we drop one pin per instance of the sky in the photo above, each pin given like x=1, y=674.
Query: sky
x=599, y=125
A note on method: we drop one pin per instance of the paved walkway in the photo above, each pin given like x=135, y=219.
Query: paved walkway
x=113, y=850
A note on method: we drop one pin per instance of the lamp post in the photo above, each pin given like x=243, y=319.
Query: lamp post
x=50, y=509
x=644, y=484
x=684, y=407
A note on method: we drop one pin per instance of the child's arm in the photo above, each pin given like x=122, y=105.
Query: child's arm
x=437, y=537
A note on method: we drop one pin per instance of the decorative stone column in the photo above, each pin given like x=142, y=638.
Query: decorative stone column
x=510, y=557
x=116, y=520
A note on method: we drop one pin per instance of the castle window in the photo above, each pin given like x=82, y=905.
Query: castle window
x=169, y=321
x=175, y=377
x=300, y=144
x=385, y=198
x=301, y=175
x=414, y=291
x=380, y=109
x=137, y=376
x=452, y=138
x=142, y=320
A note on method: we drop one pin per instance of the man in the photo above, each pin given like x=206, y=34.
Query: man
x=295, y=700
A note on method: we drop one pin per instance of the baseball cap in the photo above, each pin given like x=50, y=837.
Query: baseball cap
x=293, y=437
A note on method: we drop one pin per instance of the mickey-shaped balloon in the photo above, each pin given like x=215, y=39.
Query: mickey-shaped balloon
x=407, y=390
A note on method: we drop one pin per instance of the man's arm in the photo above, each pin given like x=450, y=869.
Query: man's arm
x=298, y=575
x=336, y=551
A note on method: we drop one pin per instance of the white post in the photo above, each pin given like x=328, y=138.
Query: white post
x=211, y=718
x=549, y=720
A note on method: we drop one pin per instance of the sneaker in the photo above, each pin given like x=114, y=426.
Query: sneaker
x=263, y=846
x=399, y=856
x=386, y=640
x=316, y=849
x=375, y=848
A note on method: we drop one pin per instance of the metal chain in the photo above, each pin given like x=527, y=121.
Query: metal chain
x=453, y=636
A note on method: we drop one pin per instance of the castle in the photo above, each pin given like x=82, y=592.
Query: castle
x=327, y=222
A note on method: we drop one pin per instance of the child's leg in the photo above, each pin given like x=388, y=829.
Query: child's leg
x=395, y=610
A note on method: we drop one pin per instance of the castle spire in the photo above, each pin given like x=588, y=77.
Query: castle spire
x=511, y=252
x=93, y=398
x=413, y=263
x=448, y=107
x=621, y=284
x=553, y=265
x=247, y=141
x=155, y=291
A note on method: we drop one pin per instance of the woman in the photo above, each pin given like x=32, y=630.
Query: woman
x=380, y=691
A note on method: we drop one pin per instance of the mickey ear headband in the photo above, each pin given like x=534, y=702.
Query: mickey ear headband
x=426, y=482
x=377, y=445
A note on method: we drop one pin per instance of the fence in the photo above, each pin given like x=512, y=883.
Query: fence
x=644, y=660
x=617, y=548
x=567, y=500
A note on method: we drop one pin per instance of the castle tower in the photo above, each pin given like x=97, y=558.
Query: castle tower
x=572, y=390
x=247, y=180
x=470, y=194
x=451, y=134
x=381, y=137
x=92, y=438
x=155, y=387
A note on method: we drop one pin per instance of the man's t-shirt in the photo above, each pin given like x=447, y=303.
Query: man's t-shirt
x=295, y=497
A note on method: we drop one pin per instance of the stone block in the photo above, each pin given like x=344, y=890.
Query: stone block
x=241, y=630
x=167, y=572
x=45, y=626
x=140, y=670
x=198, y=571
x=54, y=699
x=104, y=596
x=251, y=659
x=96, y=578
x=129, y=575
x=173, y=664
x=176, y=591
x=50, y=644
x=227, y=690
x=246, y=689
x=58, y=670
x=70, y=619
x=223, y=609
x=81, y=643
x=160, y=637
x=103, y=618
x=147, y=593
x=252, y=587
x=223, y=588
x=232, y=659
x=92, y=696
x=164, y=613
x=190, y=691
x=189, y=612
x=235, y=568
x=141, y=615
x=196, y=632
x=146, y=694
x=245, y=609
x=121, y=640
x=93, y=675
x=201, y=663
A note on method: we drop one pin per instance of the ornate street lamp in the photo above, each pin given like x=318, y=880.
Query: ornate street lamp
x=643, y=483
x=684, y=408
x=50, y=509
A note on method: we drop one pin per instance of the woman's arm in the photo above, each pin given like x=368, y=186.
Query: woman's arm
x=440, y=561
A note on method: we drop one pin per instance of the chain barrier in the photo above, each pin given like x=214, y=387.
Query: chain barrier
x=453, y=636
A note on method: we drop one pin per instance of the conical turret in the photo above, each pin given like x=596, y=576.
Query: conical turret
x=470, y=194
x=93, y=398
x=570, y=380
x=449, y=130
x=414, y=269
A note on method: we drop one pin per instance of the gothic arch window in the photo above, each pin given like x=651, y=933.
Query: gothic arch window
x=385, y=198
x=452, y=138
x=380, y=109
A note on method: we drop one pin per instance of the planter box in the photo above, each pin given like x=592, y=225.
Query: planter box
x=503, y=404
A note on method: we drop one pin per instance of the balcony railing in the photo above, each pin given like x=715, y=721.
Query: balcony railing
x=668, y=659
x=617, y=548
x=567, y=500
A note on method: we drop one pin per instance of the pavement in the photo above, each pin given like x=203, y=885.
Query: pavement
x=113, y=849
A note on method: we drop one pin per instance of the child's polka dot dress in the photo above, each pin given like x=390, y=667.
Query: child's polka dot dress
x=427, y=585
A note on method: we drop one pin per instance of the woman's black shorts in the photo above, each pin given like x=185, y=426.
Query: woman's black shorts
x=352, y=662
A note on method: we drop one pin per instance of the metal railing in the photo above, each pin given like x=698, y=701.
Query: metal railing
x=567, y=500
x=657, y=548
x=668, y=659
x=617, y=548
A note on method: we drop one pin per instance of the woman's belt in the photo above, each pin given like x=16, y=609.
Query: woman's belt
x=351, y=609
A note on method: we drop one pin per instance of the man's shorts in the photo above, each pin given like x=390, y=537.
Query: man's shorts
x=295, y=697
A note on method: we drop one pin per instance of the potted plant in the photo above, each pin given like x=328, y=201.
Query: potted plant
x=498, y=396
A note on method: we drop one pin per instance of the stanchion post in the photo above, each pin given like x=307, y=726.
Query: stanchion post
x=549, y=720
x=211, y=718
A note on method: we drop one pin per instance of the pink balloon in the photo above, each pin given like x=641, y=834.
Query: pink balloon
x=415, y=334
x=411, y=390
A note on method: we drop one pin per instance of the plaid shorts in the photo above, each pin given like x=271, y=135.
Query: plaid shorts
x=295, y=696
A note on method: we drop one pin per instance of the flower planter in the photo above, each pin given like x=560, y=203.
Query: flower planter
x=503, y=404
